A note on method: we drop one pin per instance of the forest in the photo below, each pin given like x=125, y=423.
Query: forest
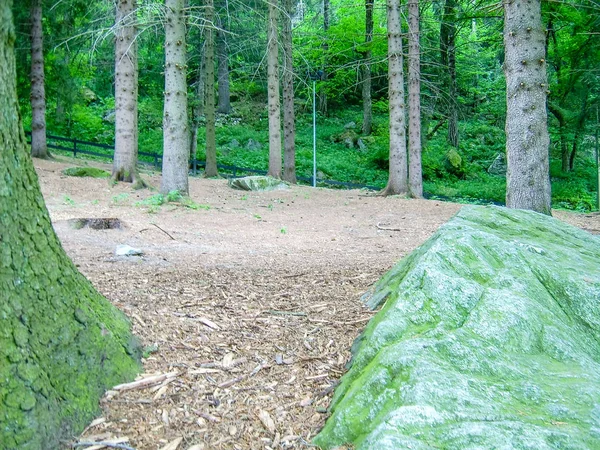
x=341, y=46
x=201, y=316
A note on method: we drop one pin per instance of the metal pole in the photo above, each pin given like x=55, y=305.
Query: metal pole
x=314, y=133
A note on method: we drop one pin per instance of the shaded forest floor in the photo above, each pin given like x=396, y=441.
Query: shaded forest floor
x=247, y=305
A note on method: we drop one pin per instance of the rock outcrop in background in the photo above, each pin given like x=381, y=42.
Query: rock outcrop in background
x=489, y=337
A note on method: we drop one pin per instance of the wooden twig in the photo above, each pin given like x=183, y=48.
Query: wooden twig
x=231, y=382
x=296, y=275
x=285, y=313
x=379, y=227
x=145, y=382
x=164, y=231
x=100, y=444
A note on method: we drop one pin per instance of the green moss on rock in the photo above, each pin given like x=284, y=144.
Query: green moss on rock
x=489, y=338
x=86, y=172
x=258, y=183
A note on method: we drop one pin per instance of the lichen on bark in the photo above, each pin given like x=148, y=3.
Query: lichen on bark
x=61, y=343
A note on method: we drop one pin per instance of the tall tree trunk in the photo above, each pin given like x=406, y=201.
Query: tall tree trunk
x=61, y=343
x=415, y=174
x=209, y=92
x=198, y=105
x=39, y=148
x=527, y=140
x=448, y=53
x=398, y=176
x=223, y=70
x=366, y=70
x=289, y=117
x=126, y=95
x=273, y=88
x=175, y=121
x=323, y=96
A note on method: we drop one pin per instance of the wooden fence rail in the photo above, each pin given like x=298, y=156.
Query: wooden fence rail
x=79, y=147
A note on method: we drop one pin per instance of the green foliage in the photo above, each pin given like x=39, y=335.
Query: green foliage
x=120, y=198
x=68, y=201
x=154, y=202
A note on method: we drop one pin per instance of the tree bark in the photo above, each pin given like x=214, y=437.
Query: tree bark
x=198, y=105
x=273, y=93
x=366, y=70
x=398, y=176
x=323, y=93
x=527, y=140
x=448, y=53
x=61, y=343
x=39, y=148
x=289, y=117
x=175, y=121
x=126, y=95
x=209, y=92
x=415, y=175
x=224, y=106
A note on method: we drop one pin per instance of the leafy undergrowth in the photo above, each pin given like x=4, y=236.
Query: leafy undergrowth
x=343, y=154
x=153, y=203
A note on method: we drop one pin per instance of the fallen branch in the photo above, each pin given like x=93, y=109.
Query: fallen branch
x=296, y=275
x=164, y=232
x=97, y=445
x=226, y=384
x=207, y=416
x=145, y=382
x=379, y=227
x=285, y=313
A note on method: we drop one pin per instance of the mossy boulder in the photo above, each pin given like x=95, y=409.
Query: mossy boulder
x=489, y=337
x=454, y=163
x=92, y=172
x=258, y=183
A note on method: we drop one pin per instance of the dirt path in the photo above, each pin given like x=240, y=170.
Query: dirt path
x=250, y=303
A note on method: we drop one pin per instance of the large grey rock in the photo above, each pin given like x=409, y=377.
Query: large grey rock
x=258, y=183
x=498, y=166
x=253, y=145
x=489, y=338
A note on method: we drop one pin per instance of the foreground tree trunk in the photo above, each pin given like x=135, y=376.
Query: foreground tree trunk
x=527, y=140
x=366, y=70
x=289, y=117
x=175, y=121
x=209, y=93
x=273, y=89
x=415, y=174
x=126, y=93
x=398, y=177
x=61, y=343
x=39, y=148
x=224, y=106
